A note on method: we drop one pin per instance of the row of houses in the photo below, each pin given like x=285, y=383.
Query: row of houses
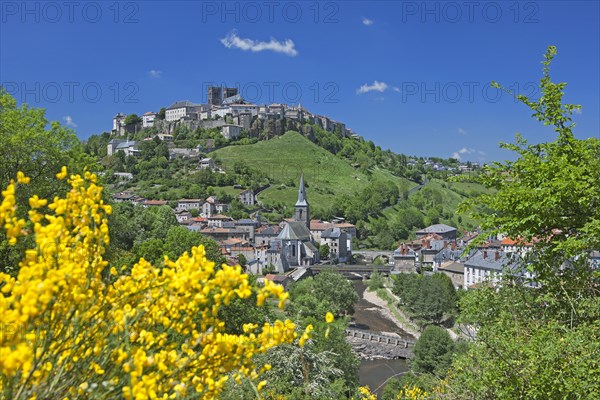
x=437, y=248
x=447, y=255
x=211, y=206
x=437, y=166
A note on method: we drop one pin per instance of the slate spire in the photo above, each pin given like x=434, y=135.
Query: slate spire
x=302, y=207
x=302, y=193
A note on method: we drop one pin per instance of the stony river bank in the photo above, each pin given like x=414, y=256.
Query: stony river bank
x=378, y=361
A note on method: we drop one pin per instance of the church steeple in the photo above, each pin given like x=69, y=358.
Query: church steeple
x=302, y=206
x=302, y=193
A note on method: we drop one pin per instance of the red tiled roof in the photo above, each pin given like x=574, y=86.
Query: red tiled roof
x=219, y=216
x=276, y=228
x=276, y=278
x=214, y=230
x=316, y=225
x=232, y=241
x=510, y=242
x=155, y=202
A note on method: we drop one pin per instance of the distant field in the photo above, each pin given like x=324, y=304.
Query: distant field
x=284, y=158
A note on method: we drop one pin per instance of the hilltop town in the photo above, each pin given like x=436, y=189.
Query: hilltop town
x=289, y=247
x=228, y=112
x=286, y=250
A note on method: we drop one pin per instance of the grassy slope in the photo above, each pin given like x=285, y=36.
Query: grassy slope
x=453, y=194
x=284, y=158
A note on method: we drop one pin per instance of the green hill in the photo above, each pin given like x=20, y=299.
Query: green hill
x=284, y=158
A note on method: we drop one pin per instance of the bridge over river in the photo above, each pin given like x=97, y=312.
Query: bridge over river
x=375, y=345
x=355, y=271
x=370, y=256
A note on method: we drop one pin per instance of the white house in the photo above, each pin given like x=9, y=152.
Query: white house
x=231, y=131
x=182, y=109
x=247, y=197
x=208, y=209
x=182, y=216
x=189, y=204
x=221, y=207
x=221, y=111
x=148, y=119
x=237, y=109
x=336, y=239
x=218, y=220
x=129, y=147
x=490, y=265
x=277, y=109
x=207, y=163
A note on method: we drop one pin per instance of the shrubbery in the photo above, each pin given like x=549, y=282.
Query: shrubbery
x=73, y=326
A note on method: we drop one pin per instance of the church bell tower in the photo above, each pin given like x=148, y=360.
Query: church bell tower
x=302, y=206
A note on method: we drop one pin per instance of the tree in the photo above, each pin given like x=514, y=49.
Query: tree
x=539, y=343
x=375, y=281
x=327, y=292
x=295, y=374
x=27, y=145
x=162, y=114
x=428, y=299
x=244, y=311
x=180, y=239
x=152, y=250
x=324, y=251
x=242, y=260
x=433, y=351
x=341, y=350
x=133, y=119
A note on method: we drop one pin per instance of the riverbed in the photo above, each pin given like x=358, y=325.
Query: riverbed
x=368, y=316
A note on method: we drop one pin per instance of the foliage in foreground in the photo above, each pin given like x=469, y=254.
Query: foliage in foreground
x=540, y=342
x=29, y=143
x=72, y=328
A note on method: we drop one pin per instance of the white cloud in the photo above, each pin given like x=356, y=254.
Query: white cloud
x=69, y=121
x=577, y=111
x=367, y=21
x=232, y=40
x=462, y=131
x=396, y=89
x=375, y=87
x=466, y=151
x=155, y=73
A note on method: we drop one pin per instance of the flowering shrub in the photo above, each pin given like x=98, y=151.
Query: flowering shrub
x=411, y=393
x=406, y=393
x=71, y=326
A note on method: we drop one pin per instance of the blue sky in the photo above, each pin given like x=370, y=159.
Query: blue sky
x=412, y=76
